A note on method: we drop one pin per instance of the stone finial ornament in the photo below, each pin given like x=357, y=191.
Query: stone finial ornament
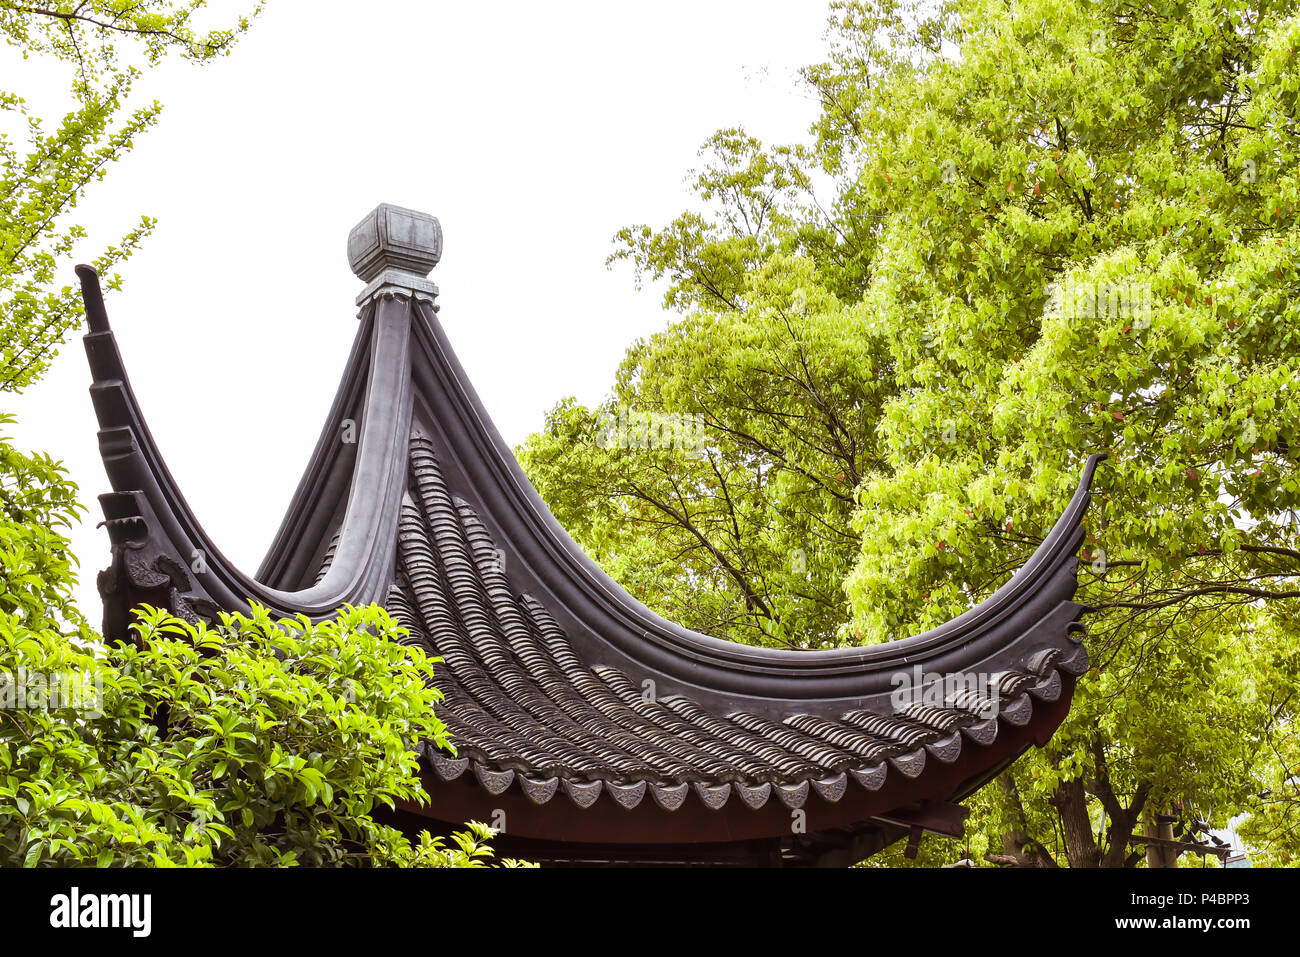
x=393, y=249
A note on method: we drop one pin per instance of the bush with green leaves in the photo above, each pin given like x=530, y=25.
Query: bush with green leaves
x=256, y=742
x=252, y=742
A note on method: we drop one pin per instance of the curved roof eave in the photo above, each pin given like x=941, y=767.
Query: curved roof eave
x=403, y=375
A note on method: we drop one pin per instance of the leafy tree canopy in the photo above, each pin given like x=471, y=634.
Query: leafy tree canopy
x=48, y=163
x=1018, y=233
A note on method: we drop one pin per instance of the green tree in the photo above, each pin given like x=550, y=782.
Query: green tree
x=1019, y=234
x=48, y=163
x=746, y=533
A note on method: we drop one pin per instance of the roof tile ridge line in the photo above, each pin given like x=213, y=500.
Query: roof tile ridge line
x=504, y=612
x=473, y=528
x=729, y=654
x=366, y=557
x=444, y=592
x=184, y=535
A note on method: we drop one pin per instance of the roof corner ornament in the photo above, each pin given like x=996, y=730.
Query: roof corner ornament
x=393, y=250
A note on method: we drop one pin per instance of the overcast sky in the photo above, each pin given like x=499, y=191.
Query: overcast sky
x=533, y=131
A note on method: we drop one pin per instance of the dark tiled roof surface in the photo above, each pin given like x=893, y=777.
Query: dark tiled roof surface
x=526, y=711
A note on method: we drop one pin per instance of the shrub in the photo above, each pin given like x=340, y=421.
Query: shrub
x=251, y=742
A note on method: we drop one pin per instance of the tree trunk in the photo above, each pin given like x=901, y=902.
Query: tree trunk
x=1021, y=850
x=1071, y=803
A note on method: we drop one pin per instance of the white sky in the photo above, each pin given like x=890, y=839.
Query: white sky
x=533, y=131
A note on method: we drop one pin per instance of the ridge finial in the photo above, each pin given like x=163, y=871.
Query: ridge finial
x=393, y=249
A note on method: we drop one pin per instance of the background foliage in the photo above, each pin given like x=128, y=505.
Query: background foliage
x=47, y=163
x=905, y=336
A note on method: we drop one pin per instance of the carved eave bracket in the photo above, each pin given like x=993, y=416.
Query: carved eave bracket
x=144, y=569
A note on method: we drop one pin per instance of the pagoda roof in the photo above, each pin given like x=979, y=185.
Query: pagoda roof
x=598, y=729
